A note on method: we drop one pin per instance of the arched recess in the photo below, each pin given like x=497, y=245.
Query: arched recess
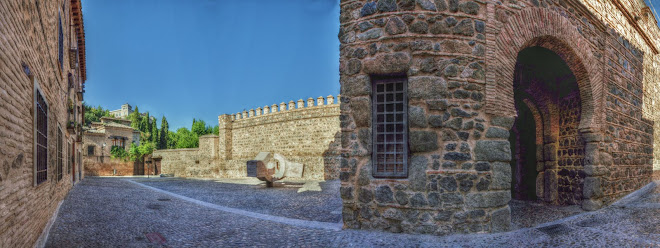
x=547, y=29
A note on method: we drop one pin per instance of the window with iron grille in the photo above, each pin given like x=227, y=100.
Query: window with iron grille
x=60, y=40
x=60, y=155
x=390, y=126
x=90, y=151
x=41, y=137
x=71, y=158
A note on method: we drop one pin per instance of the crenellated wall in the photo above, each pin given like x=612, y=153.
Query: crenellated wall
x=302, y=131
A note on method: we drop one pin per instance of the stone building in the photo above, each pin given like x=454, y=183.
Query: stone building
x=123, y=112
x=452, y=107
x=98, y=141
x=41, y=91
x=303, y=132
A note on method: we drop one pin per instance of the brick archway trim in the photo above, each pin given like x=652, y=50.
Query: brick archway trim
x=548, y=29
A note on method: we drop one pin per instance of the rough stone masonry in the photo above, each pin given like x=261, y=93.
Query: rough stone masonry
x=303, y=132
x=478, y=76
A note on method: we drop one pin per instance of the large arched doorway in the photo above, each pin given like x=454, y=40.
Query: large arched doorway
x=547, y=147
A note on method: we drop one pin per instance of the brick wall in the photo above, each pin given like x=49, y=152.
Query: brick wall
x=301, y=131
x=29, y=33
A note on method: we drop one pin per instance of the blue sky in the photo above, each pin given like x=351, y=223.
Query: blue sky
x=202, y=58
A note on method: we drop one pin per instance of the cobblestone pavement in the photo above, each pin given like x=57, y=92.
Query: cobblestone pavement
x=115, y=212
x=531, y=214
x=252, y=195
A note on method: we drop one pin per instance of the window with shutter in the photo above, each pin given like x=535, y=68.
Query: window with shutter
x=390, y=126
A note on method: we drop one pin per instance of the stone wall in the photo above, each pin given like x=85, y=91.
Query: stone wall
x=107, y=166
x=29, y=55
x=301, y=131
x=191, y=162
x=459, y=58
x=610, y=12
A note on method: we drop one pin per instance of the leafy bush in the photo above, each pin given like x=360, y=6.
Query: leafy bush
x=118, y=152
x=138, y=152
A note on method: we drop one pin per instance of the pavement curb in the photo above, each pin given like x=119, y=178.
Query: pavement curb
x=43, y=238
x=636, y=194
x=278, y=219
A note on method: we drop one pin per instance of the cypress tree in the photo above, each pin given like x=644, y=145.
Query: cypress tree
x=162, y=144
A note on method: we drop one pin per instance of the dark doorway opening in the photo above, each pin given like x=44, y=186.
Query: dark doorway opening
x=546, y=145
x=524, y=161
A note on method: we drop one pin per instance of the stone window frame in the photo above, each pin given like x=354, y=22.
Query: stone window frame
x=382, y=79
x=38, y=93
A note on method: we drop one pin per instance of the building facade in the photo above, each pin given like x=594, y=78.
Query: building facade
x=450, y=108
x=123, y=112
x=42, y=86
x=98, y=141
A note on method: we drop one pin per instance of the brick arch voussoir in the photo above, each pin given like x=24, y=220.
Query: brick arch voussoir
x=548, y=29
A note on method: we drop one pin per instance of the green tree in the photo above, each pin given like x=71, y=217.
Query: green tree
x=216, y=130
x=164, y=133
x=137, y=153
x=94, y=114
x=186, y=138
x=199, y=128
x=172, y=139
x=144, y=124
x=154, y=132
x=135, y=118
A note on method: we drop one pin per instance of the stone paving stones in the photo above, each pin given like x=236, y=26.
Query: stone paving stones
x=113, y=212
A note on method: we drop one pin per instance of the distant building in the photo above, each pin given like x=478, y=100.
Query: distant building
x=98, y=141
x=123, y=112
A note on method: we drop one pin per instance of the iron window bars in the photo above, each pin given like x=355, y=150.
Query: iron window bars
x=390, y=126
x=41, y=133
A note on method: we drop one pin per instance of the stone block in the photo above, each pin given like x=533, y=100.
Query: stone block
x=491, y=150
x=384, y=194
x=488, y=199
x=500, y=220
x=592, y=188
x=398, y=62
x=539, y=185
x=495, y=132
x=417, y=172
x=427, y=87
x=401, y=198
x=423, y=141
x=592, y=204
x=355, y=86
x=417, y=117
x=361, y=109
x=501, y=121
x=365, y=195
x=501, y=176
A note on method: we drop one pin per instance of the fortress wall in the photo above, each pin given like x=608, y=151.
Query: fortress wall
x=301, y=131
